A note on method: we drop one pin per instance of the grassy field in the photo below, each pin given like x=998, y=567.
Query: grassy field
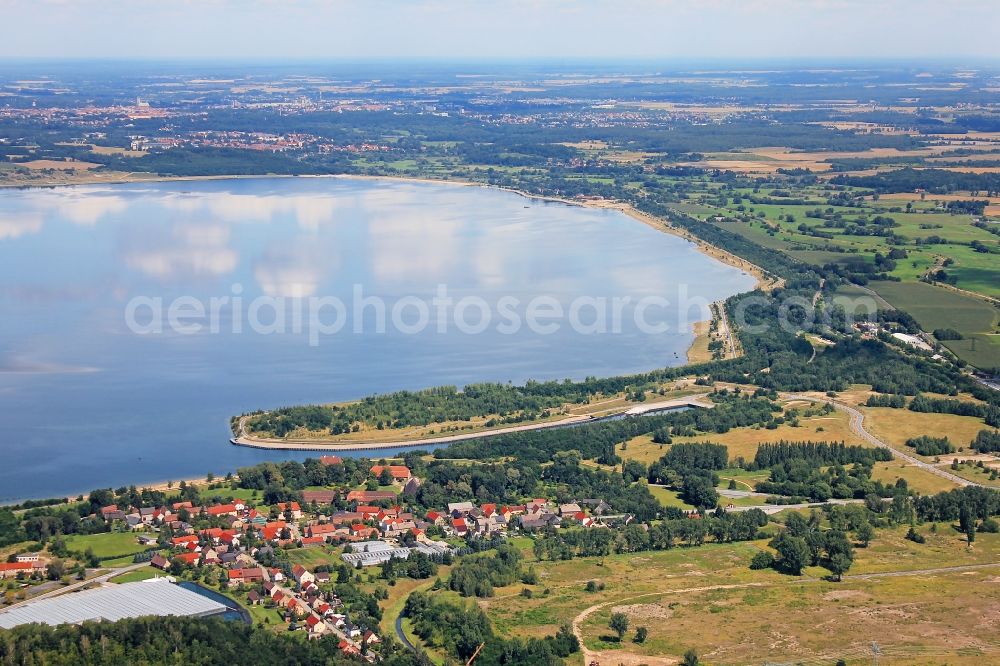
x=106, y=545
x=816, y=621
x=895, y=426
x=972, y=473
x=916, y=478
x=745, y=441
x=139, y=574
x=314, y=556
x=707, y=599
x=668, y=497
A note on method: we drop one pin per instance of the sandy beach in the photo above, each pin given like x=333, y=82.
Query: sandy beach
x=319, y=445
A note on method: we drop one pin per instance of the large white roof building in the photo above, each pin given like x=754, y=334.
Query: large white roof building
x=113, y=602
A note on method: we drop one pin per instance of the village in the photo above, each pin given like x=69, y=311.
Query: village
x=254, y=552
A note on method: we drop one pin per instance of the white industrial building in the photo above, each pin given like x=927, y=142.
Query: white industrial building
x=157, y=596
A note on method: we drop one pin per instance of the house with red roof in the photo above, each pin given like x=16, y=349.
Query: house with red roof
x=364, y=531
x=302, y=576
x=272, y=531
x=315, y=625
x=247, y=576
x=308, y=541
x=399, y=473
x=256, y=518
x=219, y=535
x=331, y=460
x=320, y=496
x=293, y=507
x=188, y=558
x=12, y=569
x=321, y=530
x=459, y=526
x=225, y=509
x=436, y=518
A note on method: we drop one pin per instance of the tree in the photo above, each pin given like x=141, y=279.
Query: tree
x=839, y=564
x=690, y=658
x=699, y=491
x=56, y=569
x=640, y=634
x=619, y=624
x=385, y=477
x=793, y=553
x=762, y=560
x=865, y=533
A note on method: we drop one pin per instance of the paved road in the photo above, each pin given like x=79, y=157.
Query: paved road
x=725, y=492
x=775, y=508
x=402, y=636
x=103, y=578
x=244, y=439
x=857, y=425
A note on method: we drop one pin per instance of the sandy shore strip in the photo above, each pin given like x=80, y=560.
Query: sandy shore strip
x=332, y=445
x=698, y=351
x=163, y=486
x=704, y=247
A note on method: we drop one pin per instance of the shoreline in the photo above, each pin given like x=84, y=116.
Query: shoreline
x=659, y=224
x=333, y=445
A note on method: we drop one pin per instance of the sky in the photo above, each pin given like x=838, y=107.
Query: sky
x=501, y=29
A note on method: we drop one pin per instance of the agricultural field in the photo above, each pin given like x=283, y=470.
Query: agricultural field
x=806, y=222
x=936, y=307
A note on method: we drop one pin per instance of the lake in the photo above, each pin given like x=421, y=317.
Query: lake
x=138, y=318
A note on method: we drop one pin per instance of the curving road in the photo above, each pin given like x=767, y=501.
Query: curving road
x=857, y=425
x=402, y=635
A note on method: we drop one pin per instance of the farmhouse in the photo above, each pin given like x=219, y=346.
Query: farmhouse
x=399, y=473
